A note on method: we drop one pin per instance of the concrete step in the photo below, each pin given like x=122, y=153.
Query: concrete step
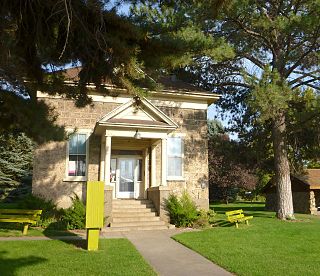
x=131, y=219
x=132, y=210
x=137, y=223
x=133, y=214
x=131, y=202
x=133, y=206
x=135, y=228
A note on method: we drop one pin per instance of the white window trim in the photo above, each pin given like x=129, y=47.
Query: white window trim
x=182, y=177
x=68, y=178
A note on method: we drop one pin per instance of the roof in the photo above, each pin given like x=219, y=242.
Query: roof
x=308, y=181
x=311, y=178
x=139, y=112
x=170, y=84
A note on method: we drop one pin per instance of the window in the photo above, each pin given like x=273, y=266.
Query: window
x=175, y=157
x=77, y=155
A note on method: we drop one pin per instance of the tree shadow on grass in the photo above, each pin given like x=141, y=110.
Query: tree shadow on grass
x=10, y=266
x=252, y=209
x=53, y=232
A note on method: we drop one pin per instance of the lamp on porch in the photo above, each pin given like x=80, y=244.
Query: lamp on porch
x=137, y=135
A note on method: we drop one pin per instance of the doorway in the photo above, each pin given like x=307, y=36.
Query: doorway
x=128, y=177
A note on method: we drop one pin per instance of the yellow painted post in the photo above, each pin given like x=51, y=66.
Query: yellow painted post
x=94, y=213
x=25, y=229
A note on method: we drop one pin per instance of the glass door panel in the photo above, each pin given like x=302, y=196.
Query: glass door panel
x=127, y=175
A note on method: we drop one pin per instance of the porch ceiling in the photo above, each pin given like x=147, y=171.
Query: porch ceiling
x=121, y=143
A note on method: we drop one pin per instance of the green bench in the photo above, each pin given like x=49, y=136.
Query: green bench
x=237, y=216
x=26, y=217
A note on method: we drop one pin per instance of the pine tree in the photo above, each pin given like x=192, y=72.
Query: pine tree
x=16, y=156
x=276, y=45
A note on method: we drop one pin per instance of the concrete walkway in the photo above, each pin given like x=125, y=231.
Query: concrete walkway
x=167, y=256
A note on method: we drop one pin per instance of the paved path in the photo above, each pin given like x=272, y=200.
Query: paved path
x=169, y=257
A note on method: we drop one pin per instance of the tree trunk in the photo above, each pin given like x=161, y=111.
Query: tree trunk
x=282, y=169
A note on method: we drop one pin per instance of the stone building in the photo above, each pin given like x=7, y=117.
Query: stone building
x=305, y=193
x=142, y=148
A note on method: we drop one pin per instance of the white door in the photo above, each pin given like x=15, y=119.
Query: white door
x=127, y=173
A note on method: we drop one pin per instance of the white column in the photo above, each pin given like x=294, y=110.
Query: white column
x=153, y=166
x=107, y=161
x=163, y=162
x=145, y=175
x=102, y=157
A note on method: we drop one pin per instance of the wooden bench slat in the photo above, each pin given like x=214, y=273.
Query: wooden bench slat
x=20, y=211
x=18, y=217
x=234, y=212
x=237, y=216
x=23, y=216
x=19, y=220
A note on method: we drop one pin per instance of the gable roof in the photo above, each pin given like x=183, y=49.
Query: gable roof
x=172, y=87
x=303, y=182
x=137, y=113
x=311, y=178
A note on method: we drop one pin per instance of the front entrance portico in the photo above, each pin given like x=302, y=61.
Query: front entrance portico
x=131, y=137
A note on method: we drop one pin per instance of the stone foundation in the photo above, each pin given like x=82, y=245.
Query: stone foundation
x=158, y=195
x=108, y=191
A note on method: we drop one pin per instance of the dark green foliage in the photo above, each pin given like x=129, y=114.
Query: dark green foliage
x=33, y=117
x=215, y=128
x=53, y=218
x=231, y=168
x=182, y=211
x=50, y=213
x=16, y=156
x=205, y=219
x=75, y=216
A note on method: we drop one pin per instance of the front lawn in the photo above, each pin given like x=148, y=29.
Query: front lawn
x=266, y=247
x=115, y=257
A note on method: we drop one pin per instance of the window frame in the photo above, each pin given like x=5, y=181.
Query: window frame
x=77, y=178
x=175, y=177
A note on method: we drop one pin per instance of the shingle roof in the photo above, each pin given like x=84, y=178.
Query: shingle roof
x=168, y=82
x=304, y=182
x=311, y=178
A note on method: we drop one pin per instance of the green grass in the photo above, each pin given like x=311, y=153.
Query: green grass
x=115, y=257
x=266, y=247
x=15, y=230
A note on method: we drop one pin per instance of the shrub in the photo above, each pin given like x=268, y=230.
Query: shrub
x=75, y=216
x=50, y=213
x=183, y=212
x=205, y=219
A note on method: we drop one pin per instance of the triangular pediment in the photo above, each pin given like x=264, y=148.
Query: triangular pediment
x=138, y=112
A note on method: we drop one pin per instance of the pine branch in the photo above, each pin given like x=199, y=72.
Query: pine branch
x=304, y=55
x=231, y=83
x=308, y=83
x=304, y=75
x=253, y=33
x=255, y=61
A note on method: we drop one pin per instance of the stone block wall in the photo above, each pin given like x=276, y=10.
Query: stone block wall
x=50, y=158
x=301, y=202
x=49, y=169
x=193, y=127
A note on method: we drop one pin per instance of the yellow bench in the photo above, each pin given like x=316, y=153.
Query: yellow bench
x=237, y=216
x=26, y=217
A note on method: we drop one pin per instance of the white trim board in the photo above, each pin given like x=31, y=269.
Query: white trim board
x=198, y=103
